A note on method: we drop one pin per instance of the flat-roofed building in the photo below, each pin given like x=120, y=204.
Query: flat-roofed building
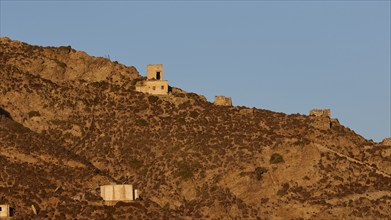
x=6, y=212
x=119, y=192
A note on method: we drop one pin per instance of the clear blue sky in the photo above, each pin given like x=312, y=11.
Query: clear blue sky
x=285, y=56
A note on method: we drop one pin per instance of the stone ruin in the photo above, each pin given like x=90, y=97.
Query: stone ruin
x=6, y=212
x=320, y=113
x=386, y=141
x=223, y=101
x=154, y=85
x=322, y=118
x=112, y=194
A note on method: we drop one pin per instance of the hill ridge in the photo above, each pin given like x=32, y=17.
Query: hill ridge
x=189, y=158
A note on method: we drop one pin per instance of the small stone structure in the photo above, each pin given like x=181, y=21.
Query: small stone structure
x=112, y=194
x=386, y=141
x=322, y=118
x=222, y=100
x=5, y=211
x=320, y=113
x=154, y=84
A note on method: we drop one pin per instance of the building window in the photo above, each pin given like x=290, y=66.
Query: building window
x=153, y=87
x=162, y=87
x=158, y=75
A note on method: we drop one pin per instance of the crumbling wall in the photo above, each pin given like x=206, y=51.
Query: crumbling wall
x=321, y=118
x=322, y=123
x=320, y=113
x=222, y=100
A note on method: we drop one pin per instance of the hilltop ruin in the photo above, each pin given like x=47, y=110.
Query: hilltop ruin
x=193, y=159
x=154, y=84
x=223, y=101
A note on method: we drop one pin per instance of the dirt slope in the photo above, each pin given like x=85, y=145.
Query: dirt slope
x=189, y=158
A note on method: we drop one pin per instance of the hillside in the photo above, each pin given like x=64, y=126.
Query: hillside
x=74, y=121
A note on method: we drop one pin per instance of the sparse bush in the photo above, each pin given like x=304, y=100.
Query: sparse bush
x=65, y=49
x=33, y=114
x=61, y=64
x=141, y=122
x=135, y=81
x=259, y=171
x=284, y=190
x=181, y=121
x=264, y=200
x=135, y=164
x=194, y=114
x=18, y=128
x=276, y=158
x=185, y=170
x=338, y=178
x=180, y=95
x=152, y=99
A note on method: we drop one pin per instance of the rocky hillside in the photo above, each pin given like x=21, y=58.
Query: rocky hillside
x=71, y=122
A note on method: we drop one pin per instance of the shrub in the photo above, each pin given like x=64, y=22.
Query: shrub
x=194, y=114
x=142, y=122
x=259, y=171
x=152, y=99
x=65, y=49
x=185, y=170
x=338, y=178
x=135, y=164
x=61, y=64
x=276, y=158
x=135, y=81
x=181, y=121
x=33, y=114
x=284, y=190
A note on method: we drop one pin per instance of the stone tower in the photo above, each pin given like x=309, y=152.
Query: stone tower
x=154, y=85
x=321, y=118
x=155, y=71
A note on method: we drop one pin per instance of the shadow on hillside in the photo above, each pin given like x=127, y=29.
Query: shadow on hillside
x=4, y=113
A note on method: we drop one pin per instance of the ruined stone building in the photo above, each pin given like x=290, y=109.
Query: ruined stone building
x=322, y=118
x=320, y=112
x=5, y=212
x=155, y=84
x=222, y=100
x=386, y=141
x=120, y=192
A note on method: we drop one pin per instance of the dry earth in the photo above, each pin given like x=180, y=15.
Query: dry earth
x=71, y=122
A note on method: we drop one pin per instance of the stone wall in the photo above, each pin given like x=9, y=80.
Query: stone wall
x=322, y=118
x=320, y=113
x=153, y=87
x=322, y=123
x=222, y=100
x=155, y=71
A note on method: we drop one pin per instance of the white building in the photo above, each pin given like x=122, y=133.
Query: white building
x=5, y=211
x=116, y=193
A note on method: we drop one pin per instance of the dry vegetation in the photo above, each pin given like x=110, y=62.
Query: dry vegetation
x=65, y=131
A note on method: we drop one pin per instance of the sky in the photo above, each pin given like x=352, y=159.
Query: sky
x=284, y=56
